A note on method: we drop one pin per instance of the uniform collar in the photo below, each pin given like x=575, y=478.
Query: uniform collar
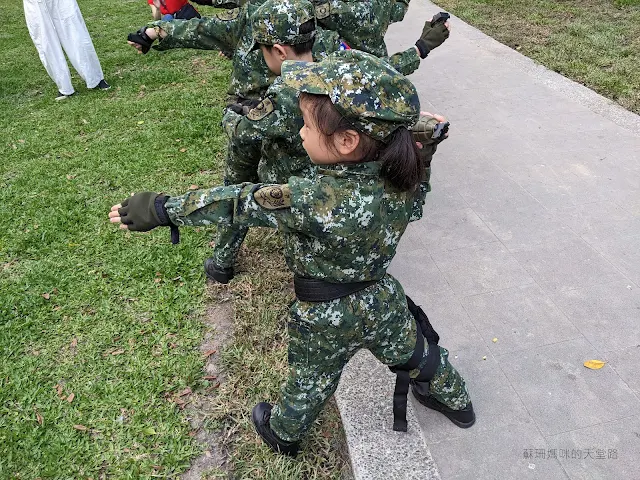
x=348, y=169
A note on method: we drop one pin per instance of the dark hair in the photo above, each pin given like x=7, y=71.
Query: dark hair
x=305, y=47
x=402, y=166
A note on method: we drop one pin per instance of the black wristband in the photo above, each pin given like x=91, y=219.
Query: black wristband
x=163, y=218
x=161, y=210
x=422, y=48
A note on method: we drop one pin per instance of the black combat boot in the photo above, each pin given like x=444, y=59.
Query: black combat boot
x=463, y=418
x=217, y=273
x=260, y=417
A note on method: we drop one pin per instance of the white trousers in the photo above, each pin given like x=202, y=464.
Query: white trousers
x=58, y=24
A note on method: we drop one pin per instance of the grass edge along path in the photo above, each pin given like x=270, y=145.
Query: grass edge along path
x=99, y=329
x=593, y=42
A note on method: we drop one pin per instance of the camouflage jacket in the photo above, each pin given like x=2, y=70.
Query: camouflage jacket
x=268, y=137
x=362, y=24
x=399, y=10
x=341, y=226
x=230, y=31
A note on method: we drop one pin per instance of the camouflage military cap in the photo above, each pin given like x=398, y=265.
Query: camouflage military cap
x=278, y=21
x=367, y=91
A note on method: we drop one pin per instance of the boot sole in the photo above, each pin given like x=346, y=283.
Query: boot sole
x=453, y=420
x=217, y=280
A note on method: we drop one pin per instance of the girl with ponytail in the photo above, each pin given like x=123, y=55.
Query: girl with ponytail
x=341, y=230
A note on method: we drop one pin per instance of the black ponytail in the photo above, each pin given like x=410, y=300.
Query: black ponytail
x=402, y=165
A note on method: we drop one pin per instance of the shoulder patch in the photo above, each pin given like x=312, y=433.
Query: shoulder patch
x=264, y=108
x=228, y=15
x=273, y=197
x=323, y=10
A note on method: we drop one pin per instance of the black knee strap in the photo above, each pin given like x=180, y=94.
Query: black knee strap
x=423, y=330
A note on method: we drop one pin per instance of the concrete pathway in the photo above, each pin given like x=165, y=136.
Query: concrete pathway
x=531, y=236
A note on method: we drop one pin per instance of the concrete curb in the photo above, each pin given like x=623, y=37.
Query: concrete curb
x=365, y=399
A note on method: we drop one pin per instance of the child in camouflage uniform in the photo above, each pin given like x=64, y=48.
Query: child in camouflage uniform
x=252, y=76
x=230, y=31
x=341, y=230
x=264, y=145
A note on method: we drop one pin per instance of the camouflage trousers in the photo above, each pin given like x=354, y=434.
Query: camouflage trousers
x=324, y=336
x=229, y=238
x=228, y=242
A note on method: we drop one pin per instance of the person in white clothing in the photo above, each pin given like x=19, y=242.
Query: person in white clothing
x=55, y=25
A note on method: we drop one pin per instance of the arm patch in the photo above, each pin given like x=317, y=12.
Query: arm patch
x=273, y=197
x=264, y=108
x=228, y=15
x=323, y=10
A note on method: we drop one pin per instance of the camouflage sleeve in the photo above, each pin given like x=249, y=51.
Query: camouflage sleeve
x=252, y=205
x=361, y=25
x=399, y=10
x=220, y=32
x=244, y=150
x=340, y=15
x=405, y=62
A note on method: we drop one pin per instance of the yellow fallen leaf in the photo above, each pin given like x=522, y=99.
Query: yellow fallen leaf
x=140, y=122
x=594, y=364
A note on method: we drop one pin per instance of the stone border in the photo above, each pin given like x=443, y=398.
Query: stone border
x=378, y=452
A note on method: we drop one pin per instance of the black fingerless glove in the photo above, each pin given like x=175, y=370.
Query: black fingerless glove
x=250, y=102
x=238, y=108
x=141, y=38
x=145, y=211
x=244, y=107
x=433, y=35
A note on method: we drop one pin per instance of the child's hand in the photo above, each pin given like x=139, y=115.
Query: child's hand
x=114, y=216
x=440, y=118
x=432, y=36
x=141, y=212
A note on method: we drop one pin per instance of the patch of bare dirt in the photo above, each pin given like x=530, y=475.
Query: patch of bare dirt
x=218, y=333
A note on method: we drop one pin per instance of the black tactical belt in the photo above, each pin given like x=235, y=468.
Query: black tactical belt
x=313, y=290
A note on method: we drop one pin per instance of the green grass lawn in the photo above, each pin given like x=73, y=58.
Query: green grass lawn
x=98, y=328
x=595, y=42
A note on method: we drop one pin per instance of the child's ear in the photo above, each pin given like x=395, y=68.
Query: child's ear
x=280, y=52
x=347, y=142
